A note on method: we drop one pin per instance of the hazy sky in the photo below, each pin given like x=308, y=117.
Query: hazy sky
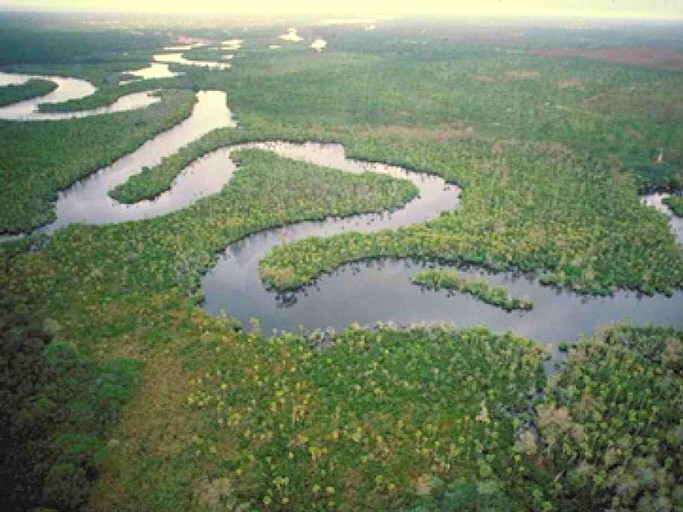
x=617, y=8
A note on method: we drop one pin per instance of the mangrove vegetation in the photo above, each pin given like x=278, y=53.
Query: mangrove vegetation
x=441, y=279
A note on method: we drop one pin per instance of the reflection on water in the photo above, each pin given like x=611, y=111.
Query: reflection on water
x=10, y=79
x=184, y=47
x=67, y=89
x=232, y=44
x=154, y=70
x=292, y=35
x=87, y=201
x=382, y=291
x=319, y=45
x=177, y=58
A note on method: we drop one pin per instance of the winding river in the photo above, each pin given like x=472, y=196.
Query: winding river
x=364, y=292
x=176, y=56
x=381, y=290
x=67, y=89
x=87, y=200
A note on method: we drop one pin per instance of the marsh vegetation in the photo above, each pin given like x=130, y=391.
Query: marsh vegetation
x=121, y=393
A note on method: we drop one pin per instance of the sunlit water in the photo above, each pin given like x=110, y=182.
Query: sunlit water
x=154, y=70
x=67, y=89
x=319, y=45
x=292, y=35
x=177, y=58
x=232, y=44
x=184, y=47
x=160, y=67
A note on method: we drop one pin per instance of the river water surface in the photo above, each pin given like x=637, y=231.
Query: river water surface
x=87, y=201
x=67, y=89
x=364, y=292
x=381, y=290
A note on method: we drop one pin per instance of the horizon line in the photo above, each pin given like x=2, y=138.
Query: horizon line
x=623, y=16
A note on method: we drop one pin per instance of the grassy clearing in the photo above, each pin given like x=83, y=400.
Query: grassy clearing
x=31, y=89
x=439, y=279
x=41, y=158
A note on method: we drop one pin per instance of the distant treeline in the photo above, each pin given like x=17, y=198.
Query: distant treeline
x=19, y=45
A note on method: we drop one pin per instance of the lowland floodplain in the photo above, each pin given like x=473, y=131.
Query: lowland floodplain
x=434, y=266
x=14, y=93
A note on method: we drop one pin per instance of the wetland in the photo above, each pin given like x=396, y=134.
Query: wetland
x=240, y=279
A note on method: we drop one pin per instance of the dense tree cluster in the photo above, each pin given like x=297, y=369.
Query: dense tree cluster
x=32, y=45
x=611, y=426
x=31, y=89
x=56, y=408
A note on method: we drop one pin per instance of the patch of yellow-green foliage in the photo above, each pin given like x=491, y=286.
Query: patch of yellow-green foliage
x=369, y=422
